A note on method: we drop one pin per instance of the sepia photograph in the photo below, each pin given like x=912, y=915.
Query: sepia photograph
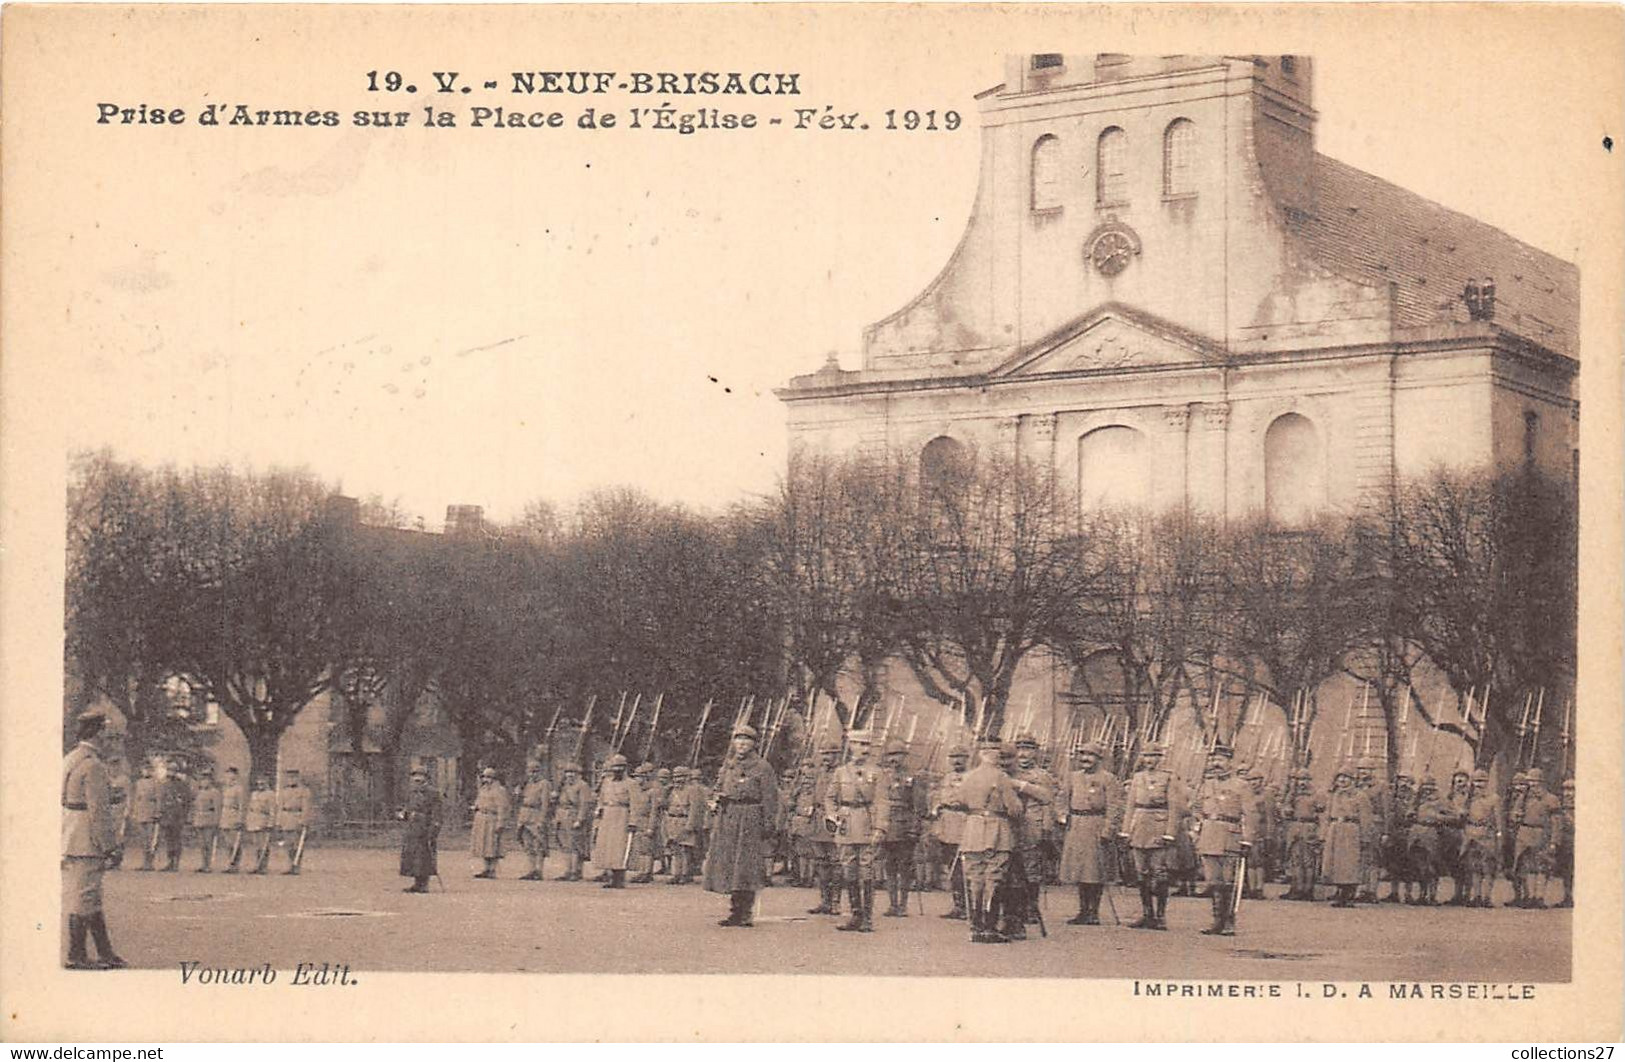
x=816, y=495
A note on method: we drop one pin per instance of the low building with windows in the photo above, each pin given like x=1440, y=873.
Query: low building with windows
x=1165, y=291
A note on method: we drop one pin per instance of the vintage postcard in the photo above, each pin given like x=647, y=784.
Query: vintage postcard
x=916, y=522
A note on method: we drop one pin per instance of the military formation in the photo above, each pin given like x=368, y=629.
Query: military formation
x=230, y=825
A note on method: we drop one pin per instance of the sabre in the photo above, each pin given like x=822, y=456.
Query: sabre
x=237, y=846
x=299, y=847
x=214, y=841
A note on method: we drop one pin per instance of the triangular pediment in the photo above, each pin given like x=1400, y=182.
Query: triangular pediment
x=1108, y=339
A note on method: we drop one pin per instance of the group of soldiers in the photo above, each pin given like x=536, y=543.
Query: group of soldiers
x=224, y=819
x=998, y=825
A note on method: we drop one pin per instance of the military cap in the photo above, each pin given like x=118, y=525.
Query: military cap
x=1151, y=749
x=417, y=772
x=829, y=749
x=489, y=772
x=1220, y=749
x=294, y=771
x=990, y=743
x=1568, y=785
x=1403, y=777
x=745, y=730
x=1460, y=772
x=615, y=761
x=643, y=770
x=1534, y=775
x=233, y=770
x=1345, y=770
x=1092, y=748
x=1426, y=783
x=959, y=752
x=1301, y=773
x=571, y=767
x=664, y=772
x=89, y=724
x=1481, y=775
x=897, y=747
x=860, y=737
x=1026, y=741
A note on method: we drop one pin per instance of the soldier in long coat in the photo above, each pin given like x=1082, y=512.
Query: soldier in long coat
x=1156, y=810
x=948, y=815
x=613, y=826
x=1376, y=828
x=1341, y=826
x=659, y=842
x=1425, y=842
x=490, y=817
x=857, y=810
x=906, y=801
x=685, y=823
x=87, y=844
x=174, y=812
x=746, y=799
x=1223, y=836
x=206, y=819
x=534, y=823
x=1302, y=828
x=144, y=813
x=1533, y=820
x=1564, y=853
x=1451, y=841
x=1481, y=839
x=233, y=809
x=804, y=815
x=1090, y=810
x=1397, y=852
x=1260, y=816
x=420, y=839
x=571, y=814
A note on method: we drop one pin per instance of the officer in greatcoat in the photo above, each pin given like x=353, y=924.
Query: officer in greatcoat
x=534, y=823
x=1090, y=810
x=613, y=828
x=1301, y=820
x=174, y=812
x=572, y=813
x=490, y=818
x=420, y=840
x=746, y=801
x=87, y=846
x=295, y=811
x=1342, y=824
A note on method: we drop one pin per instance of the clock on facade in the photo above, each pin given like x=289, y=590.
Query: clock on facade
x=1111, y=251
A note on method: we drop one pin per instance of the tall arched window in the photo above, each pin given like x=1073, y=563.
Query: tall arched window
x=1179, y=158
x=1111, y=168
x=1294, y=471
x=1046, y=173
x=944, y=463
x=1114, y=469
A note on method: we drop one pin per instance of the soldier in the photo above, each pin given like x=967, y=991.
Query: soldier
x=645, y=813
x=1481, y=840
x=1396, y=853
x=1224, y=836
x=948, y=813
x=1025, y=883
x=804, y=816
x=535, y=821
x=1302, y=820
x=174, y=811
x=1342, y=825
x=991, y=800
x=746, y=800
x=1426, y=843
x=295, y=809
x=1156, y=806
x=1253, y=811
x=857, y=811
x=258, y=822
x=1565, y=843
x=233, y=806
x=905, y=797
x=1090, y=810
x=570, y=816
x=825, y=869
x=1376, y=828
x=1534, y=819
x=490, y=816
x=614, y=827
x=684, y=818
x=144, y=813
x=87, y=845
x=1450, y=836
x=206, y=819
x=420, y=840
x=118, y=798
x=661, y=861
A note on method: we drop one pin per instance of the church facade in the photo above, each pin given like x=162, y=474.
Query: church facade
x=1169, y=295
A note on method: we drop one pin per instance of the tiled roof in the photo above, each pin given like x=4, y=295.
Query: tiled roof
x=1376, y=232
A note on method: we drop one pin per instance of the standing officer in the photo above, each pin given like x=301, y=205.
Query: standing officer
x=1481, y=840
x=144, y=813
x=1033, y=834
x=570, y=815
x=1536, y=836
x=1156, y=805
x=1426, y=841
x=1342, y=825
x=534, y=823
x=258, y=822
x=645, y=813
x=614, y=826
x=991, y=801
x=1223, y=836
x=1450, y=835
x=87, y=845
x=1396, y=853
x=1259, y=816
x=685, y=814
x=1302, y=821
x=858, y=812
x=419, y=841
x=174, y=810
x=746, y=800
x=233, y=806
x=905, y=798
x=206, y=818
x=1376, y=828
x=1565, y=843
x=1090, y=810
x=948, y=811
x=658, y=841
x=490, y=816
x=295, y=809
x=804, y=824
x=826, y=871
x=118, y=790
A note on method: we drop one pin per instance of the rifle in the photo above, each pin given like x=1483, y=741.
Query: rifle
x=654, y=721
x=699, y=731
x=1568, y=713
x=237, y=846
x=1534, y=748
x=299, y=847
x=214, y=842
x=1241, y=882
x=617, y=740
x=615, y=724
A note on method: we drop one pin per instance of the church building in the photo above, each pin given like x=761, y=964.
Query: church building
x=1165, y=291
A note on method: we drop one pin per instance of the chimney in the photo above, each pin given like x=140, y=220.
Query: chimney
x=465, y=519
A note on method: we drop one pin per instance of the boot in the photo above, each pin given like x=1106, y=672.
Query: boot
x=77, y=959
x=97, y=924
x=1148, y=912
x=733, y=911
x=747, y=901
x=905, y=885
x=1162, y=906
x=891, y=899
x=1095, y=892
x=1082, y=917
x=825, y=898
x=617, y=880
x=993, y=921
x=1344, y=896
x=419, y=884
x=867, y=892
x=854, y=893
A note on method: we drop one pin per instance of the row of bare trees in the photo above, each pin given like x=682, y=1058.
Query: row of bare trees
x=259, y=592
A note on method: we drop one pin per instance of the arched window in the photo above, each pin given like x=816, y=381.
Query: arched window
x=1111, y=168
x=1179, y=158
x=1046, y=173
x=1114, y=469
x=944, y=464
x=1294, y=471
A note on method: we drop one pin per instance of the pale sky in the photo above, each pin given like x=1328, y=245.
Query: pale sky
x=491, y=316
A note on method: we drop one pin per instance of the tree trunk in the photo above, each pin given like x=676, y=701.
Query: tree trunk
x=263, y=744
